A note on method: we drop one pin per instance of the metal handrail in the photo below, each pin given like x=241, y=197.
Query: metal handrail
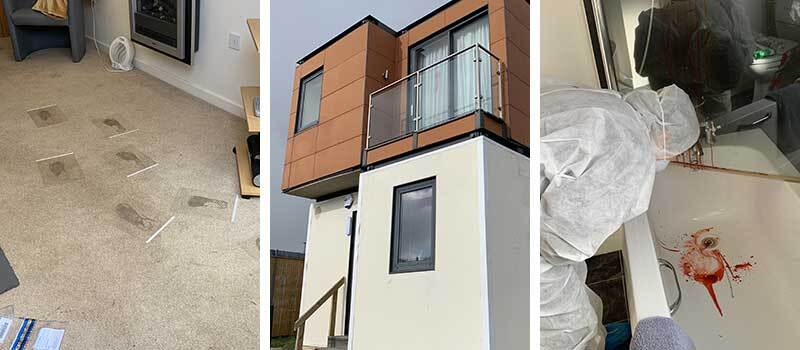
x=478, y=97
x=300, y=325
x=471, y=47
x=673, y=307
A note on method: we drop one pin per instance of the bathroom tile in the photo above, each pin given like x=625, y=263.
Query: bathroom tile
x=615, y=304
x=604, y=267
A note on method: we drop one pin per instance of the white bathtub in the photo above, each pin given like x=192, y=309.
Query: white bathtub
x=753, y=217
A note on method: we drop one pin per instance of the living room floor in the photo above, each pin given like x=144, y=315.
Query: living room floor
x=80, y=198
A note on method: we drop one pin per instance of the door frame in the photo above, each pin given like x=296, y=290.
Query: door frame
x=350, y=267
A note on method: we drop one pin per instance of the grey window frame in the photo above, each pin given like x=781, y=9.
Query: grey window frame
x=395, y=266
x=301, y=98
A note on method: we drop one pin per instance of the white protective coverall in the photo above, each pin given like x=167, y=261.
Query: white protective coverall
x=599, y=151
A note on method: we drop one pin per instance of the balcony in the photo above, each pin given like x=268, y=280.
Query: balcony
x=466, y=83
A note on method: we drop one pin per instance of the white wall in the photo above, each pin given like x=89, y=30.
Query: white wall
x=327, y=259
x=217, y=72
x=507, y=208
x=566, y=48
x=441, y=309
x=612, y=9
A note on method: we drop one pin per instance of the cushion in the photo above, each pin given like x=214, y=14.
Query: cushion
x=29, y=17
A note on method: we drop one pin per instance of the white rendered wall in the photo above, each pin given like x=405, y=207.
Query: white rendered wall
x=566, y=48
x=327, y=256
x=217, y=72
x=440, y=309
x=507, y=208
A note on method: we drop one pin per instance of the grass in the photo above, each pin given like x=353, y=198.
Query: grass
x=283, y=343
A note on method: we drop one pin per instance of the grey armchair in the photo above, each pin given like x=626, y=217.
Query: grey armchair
x=32, y=31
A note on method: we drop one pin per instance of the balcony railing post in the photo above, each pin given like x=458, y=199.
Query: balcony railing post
x=369, y=120
x=477, y=60
x=417, y=84
x=500, y=89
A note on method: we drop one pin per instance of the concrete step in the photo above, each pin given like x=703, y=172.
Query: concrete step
x=338, y=342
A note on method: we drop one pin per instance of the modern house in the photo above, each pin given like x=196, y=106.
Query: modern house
x=414, y=145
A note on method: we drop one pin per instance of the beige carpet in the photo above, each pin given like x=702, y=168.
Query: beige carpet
x=195, y=286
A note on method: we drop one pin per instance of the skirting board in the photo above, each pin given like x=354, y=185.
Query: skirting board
x=175, y=80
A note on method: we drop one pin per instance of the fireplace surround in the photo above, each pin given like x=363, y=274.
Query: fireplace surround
x=167, y=26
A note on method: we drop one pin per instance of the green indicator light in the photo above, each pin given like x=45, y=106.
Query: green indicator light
x=761, y=53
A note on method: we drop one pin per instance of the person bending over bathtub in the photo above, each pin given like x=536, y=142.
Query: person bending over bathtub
x=599, y=154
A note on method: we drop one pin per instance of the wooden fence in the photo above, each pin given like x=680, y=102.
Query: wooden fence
x=286, y=273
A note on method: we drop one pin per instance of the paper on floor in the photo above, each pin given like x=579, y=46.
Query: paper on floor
x=49, y=339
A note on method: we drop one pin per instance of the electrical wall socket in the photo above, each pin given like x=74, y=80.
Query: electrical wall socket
x=234, y=41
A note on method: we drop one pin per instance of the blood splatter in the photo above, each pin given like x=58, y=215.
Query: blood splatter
x=743, y=266
x=702, y=261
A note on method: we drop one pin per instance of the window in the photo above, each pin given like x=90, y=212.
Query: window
x=310, y=97
x=413, y=227
x=448, y=90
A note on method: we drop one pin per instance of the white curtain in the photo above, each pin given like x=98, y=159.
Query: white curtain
x=464, y=68
x=448, y=89
x=435, y=89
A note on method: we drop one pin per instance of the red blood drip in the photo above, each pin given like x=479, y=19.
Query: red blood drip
x=743, y=266
x=708, y=281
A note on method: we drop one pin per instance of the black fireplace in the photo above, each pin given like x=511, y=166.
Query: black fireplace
x=167, y=26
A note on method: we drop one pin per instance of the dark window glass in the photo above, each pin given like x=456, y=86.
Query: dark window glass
x=310, y=97
x=414, y=227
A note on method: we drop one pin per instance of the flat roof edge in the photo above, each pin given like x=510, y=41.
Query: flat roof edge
x=377, y=22
x=368, y=19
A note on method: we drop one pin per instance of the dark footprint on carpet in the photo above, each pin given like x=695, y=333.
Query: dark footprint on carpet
x=46, y=116
x=60, y=170
x=126, y=212
x=198, y=201
x=57, y=168
x=131, y=157
x=202, y=203
x=129, y=160
x=113, y=123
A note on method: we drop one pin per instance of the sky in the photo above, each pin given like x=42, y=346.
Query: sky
x=298, y=27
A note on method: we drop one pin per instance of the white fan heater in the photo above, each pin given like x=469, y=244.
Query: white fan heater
x=121, y=53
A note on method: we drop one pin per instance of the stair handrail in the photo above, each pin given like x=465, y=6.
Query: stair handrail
x=300, y=325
